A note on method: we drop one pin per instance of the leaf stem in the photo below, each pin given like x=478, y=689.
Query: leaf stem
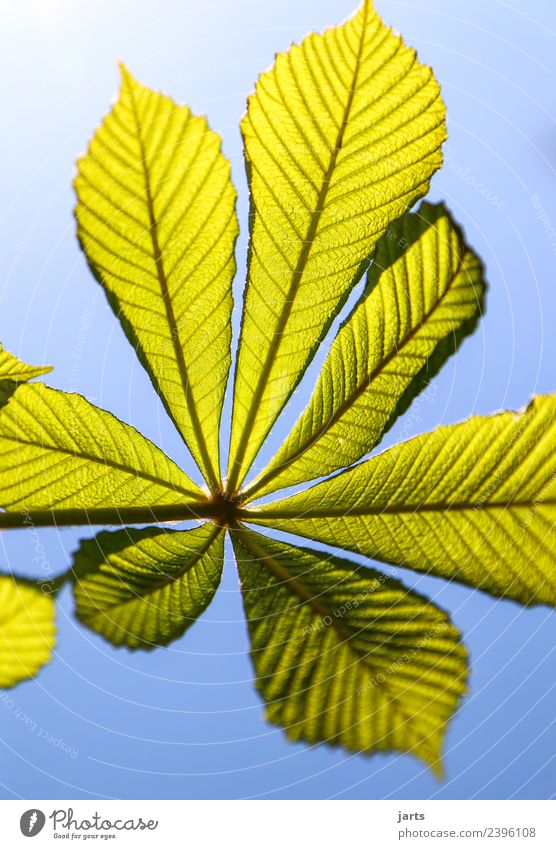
x=193, y=511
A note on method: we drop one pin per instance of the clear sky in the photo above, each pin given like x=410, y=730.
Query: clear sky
x=185, y=722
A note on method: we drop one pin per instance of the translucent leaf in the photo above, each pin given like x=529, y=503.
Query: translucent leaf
x=424, y=293
x=346, y=655
x=156, y=219
x=13, y=369
x=58, y=451
x=341, y=136
x=145, y=588
x=27, y=630
x=473, y=502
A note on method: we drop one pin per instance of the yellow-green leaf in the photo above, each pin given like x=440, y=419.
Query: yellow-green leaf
x=27, y=630
x=58, y=451
x=473, y=502
x=13, y=369
x=346, y=655
x=341, y=136
x=156, y=219
x=424, y=293
x=145, y=588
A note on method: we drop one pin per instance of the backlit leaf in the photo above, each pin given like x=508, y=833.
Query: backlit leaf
x=27, y=630
x=347, y=655
x=156, y=219
x=341, y=136
x=59, y=451
x=13, y=369
x=424, y=293
x=473, y=502
x=145, y=588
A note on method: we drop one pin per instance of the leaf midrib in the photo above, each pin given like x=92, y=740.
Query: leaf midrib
x=237, y=475
x=213, y=477
x=300, y=514
x=359, y=389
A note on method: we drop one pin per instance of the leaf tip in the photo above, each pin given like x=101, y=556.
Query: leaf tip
x=127, y=80
x=125, y=74
x=437, y=769
x=430, y=753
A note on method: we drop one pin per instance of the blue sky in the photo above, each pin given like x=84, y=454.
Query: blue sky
x=185, y=722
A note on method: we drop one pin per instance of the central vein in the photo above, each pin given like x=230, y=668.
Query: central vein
x=207, y=465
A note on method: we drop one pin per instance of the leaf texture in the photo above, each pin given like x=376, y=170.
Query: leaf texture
x=13, y=369
x=27, y=630
x=145, y=588
x=58, y=451
x=424, y=293
x=346, y=655
x=156, y=219
x=341, y=136
x=473, y=502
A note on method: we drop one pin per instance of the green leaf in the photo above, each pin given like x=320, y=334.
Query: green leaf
x=13, y=372
x=346, y=655
x=145, y=588
x=27, y=630
x=424, y=293
x=156, y=219
x=13, y=369
x=473, y=502
x=341, y=137
x=58, y=451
